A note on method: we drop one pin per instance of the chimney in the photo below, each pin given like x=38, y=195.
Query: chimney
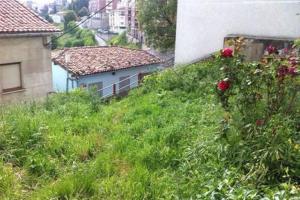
x=67, y=57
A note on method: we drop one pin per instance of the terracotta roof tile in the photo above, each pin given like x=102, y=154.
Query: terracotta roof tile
x=91, y=60
x=16, y=18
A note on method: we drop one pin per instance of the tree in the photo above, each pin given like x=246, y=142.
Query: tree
x=72, y=28
x=54, y=10
x=68, y=17
x=77, y=5
x=44, y=11
x=49, y=19
x=83, y=12
x=157, y=19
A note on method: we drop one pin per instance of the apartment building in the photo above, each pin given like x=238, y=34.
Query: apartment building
x=118, y=22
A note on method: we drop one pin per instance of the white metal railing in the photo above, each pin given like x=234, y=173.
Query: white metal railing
x=128, y=85
x=102, y=89
x=114, y=90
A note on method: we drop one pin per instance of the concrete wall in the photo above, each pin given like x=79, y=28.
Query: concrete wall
x=60, y=75
x=35, y=62
x=203, y=24
x=60, y=79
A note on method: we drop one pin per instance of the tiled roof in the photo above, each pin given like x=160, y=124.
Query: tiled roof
x=90, y=60
x=16, y=18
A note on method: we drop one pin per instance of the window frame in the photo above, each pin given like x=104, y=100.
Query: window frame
x=14, y=89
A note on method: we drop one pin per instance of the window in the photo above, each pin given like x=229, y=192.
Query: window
x=124, y=84
x=10, y=77
x=97, y=87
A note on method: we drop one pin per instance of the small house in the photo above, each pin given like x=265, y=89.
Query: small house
x=111, y=70
x=25, y=56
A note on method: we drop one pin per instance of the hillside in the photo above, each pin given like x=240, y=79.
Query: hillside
x=161, y=142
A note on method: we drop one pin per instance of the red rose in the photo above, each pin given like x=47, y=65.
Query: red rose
x=282, y=71
x=227, y=53
x=260, y=122
x=292, y=71
x=292, y=61
x=223, y=85
x=271, y=49
x=286, y=50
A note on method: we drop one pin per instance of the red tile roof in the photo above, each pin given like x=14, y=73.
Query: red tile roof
x=90, y=60
x=16, y=18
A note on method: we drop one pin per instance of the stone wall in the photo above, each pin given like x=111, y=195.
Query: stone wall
x=35, y=61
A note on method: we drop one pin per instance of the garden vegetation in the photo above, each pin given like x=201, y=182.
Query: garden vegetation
x=182, y=135
x=123, y=41
x=77, y=37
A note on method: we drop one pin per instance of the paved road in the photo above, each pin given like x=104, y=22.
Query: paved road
x=100, y=41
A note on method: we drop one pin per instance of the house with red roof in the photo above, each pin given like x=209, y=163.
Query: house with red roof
x=25, y=56
x=111, y=70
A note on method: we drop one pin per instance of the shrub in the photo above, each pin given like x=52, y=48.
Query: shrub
x=68, y=43
x=77, y=43
x=122, y=40
x=262, y=121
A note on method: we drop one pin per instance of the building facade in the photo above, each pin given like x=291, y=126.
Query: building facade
x=100, y=20
x=118, y=22
x=25, y=61
x=202, y=26
x=134, y=32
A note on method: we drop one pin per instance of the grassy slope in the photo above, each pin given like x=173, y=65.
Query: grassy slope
x=158, y=143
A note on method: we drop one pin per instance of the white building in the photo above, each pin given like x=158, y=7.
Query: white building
x=118, y=17
x=202, y=25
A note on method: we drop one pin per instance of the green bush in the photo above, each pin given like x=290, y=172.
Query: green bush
x=122, y=40
x=77, y=43
x=262, y=104
x=75, y=37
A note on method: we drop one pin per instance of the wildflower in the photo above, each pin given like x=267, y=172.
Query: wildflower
x=293, y=61
x=286, y=50
x=282, y=71
x=292, y=71
x=260, y=122
x=224, y=85
x=227, y=53
x=271, y=49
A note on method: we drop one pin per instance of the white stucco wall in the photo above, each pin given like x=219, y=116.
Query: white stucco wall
x=203, y=24
x=108, y=79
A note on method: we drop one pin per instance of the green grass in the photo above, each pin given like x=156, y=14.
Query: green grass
x=160, y=142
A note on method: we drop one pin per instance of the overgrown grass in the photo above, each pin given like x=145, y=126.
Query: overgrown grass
x=160, y=142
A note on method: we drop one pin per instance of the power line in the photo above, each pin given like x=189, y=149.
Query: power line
x=89, y=17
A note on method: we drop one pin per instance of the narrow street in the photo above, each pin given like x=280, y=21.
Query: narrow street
x=101, y=42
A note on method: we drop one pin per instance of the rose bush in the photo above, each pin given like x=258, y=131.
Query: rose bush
x=227, y=53
x=262, y=123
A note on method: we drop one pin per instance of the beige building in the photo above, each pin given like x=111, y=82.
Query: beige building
x=25, y=56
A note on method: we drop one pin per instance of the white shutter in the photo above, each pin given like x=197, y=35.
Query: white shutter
x=10, y=76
